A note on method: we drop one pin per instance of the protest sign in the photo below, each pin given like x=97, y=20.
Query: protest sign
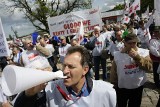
x=69, y=24
x=4, y=50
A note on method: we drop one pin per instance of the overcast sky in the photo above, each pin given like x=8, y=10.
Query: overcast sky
x=23, y=27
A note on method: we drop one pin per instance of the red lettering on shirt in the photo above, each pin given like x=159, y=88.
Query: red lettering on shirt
x=130, y=66
x=98, y=43
x=33, y=56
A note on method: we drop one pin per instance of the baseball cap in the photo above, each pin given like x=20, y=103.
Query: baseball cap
x=62, y=37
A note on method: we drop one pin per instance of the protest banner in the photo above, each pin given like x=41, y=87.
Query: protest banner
x=4, y=50
x=69, y=24
x=157, y=12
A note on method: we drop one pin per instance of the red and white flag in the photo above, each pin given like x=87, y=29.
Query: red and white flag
x=125, y=19
x=80, y=34
x=150, y=21
x=134, y=7
x=126, y=9
x=146, y=14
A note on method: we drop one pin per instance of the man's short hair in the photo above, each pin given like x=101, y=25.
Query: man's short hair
x=97, y=27
x=131, y=37
x=16, y=47
x=141, y=22
x=74, y=40
x=84, y=54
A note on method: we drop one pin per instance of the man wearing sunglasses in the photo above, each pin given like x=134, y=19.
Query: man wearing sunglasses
x=128, y=72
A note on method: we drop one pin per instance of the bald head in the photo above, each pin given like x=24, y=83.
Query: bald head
x=28, y=44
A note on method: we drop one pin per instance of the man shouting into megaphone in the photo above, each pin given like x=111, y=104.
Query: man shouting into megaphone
x=77, y=90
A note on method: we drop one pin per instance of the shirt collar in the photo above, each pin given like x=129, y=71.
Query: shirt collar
x=84, y=91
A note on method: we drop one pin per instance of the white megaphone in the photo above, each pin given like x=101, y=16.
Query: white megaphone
x=17, y=79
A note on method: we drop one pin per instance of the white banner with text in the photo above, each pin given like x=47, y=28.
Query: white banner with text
x=69, y=24
x=4, y=49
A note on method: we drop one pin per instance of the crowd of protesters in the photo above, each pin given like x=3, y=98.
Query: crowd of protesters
x=133, y=49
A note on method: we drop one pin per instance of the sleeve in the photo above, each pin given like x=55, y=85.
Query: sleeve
x=110, y=97
x=42, y=50
x=153, y=49
x=24, y=101
x=52, y=49
x=113, y=74
x=21, y=61
x=144, y=63
x=38, y=100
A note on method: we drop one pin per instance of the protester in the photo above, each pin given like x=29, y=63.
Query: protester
x=63, y=48
x=143, y=35
x=76, y=90
x=46, y=38
x=116, y=45
x=128, y=72
x=74, y=42
x=33, y=58
x=154, y=47
x=51, y=51
x=100, y=44
x=85, y=39
x=3, y=62
x=16, y=56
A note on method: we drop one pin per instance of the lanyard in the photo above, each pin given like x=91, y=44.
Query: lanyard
x=64, y=95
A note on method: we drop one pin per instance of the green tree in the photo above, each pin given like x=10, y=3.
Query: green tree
x=118, y=7
x=144, y=5
x=38, y=11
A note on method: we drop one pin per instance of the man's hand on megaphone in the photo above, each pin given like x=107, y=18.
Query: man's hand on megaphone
x=35, y=90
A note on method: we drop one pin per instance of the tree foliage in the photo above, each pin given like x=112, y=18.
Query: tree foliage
x=38, y=11
x=145, y=4
x=118, y=7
